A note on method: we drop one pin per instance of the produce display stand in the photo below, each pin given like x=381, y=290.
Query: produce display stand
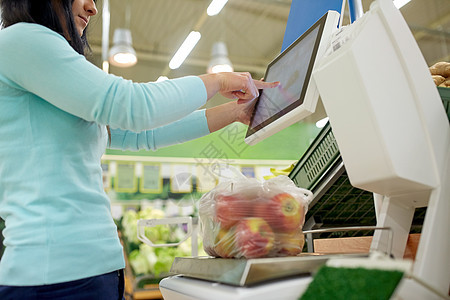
x=444, y=92
x=143, y=287
x=139, y=287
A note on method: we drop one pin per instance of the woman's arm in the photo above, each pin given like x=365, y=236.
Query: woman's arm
x=222, y=115
x=195, y=125
x=188, y=128
x=37, y=60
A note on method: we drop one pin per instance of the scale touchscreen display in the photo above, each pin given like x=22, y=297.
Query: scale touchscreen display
x=292, y=69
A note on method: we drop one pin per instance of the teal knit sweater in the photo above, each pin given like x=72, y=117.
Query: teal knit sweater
x=54, y=108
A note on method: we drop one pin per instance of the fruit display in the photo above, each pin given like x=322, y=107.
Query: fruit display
x=251, y=219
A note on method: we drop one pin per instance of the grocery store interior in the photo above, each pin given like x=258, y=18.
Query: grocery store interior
x=374, y=172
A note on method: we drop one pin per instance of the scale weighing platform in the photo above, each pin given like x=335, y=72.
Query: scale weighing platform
x=249, y=279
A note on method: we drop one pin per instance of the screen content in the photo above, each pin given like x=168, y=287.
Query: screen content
x=293, y=69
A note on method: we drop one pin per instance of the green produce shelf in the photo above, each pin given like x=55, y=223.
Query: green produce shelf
x=445, y=96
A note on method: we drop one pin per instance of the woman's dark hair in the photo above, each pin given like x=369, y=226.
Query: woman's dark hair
x=46, y=13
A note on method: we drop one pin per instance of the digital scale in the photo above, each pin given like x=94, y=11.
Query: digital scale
x=252, y=279
x=394, y=138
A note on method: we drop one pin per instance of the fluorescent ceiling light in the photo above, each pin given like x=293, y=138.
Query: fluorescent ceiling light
x=184, y=50
x=400, y=3
x=162, y=78
x=105, y=66
x=215, y=7
x=322, y=123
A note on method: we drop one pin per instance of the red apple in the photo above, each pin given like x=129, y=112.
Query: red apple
x=283, y=212
x=225, y=245
x=254, y=237
x=232, y=208
x=290, y=243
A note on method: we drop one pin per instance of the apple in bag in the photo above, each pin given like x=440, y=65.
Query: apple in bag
x=290, y=243
x=254, y=237
x=225, y=244
x=232, y=208
x=283, y=212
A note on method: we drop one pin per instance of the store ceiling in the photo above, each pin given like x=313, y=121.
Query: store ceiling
x=253, y=31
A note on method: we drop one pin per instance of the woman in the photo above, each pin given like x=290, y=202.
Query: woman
x=55, y=106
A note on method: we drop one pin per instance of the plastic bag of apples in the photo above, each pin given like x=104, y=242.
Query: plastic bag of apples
x=245, y=218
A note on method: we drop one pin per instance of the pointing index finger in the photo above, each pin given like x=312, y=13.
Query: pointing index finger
x=266, y=85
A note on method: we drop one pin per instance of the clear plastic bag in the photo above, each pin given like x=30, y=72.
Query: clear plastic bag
x=243, y=217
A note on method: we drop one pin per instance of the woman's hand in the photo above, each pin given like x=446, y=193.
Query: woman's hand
x=235, y=85
x=225, y=114
x=244, y=110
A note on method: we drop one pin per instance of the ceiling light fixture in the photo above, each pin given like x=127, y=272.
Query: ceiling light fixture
x=122, y=53
x=321, y=123
x=400, y=3
x=106, y=22
x=162, y=78
x=215, y=7
x=219, y=59
x=105, y=66
x=184, y=50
